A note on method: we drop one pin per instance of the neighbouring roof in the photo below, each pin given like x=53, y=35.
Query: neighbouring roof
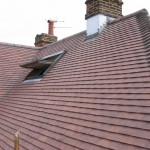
x=97, y=97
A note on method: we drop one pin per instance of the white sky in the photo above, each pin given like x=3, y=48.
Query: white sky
x=21, y=20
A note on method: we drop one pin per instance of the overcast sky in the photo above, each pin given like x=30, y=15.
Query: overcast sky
x=21, y=20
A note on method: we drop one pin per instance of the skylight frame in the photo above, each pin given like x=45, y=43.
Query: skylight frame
x=37, y=77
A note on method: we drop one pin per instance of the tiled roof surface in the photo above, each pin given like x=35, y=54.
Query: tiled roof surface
x=11, y=56
x=97, y=97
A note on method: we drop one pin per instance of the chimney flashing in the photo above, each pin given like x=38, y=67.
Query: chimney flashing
x=96, y=23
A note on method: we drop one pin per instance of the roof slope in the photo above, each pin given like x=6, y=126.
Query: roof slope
x=10, y=71
x=97, y=97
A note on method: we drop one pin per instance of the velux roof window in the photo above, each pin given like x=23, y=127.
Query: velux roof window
x=41, y=67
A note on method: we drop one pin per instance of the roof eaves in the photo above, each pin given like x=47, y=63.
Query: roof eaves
x=142, y=11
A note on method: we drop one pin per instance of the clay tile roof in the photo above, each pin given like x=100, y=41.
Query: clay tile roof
x=97, y=97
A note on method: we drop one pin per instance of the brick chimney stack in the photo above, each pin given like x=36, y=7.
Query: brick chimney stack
x=44, y=38
x=98, y=12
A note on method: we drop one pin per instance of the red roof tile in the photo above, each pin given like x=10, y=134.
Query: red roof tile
x=97, y=97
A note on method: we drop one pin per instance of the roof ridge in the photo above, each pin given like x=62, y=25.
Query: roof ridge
x=81, y=32
x=144, y=24
x=18, y=45
x=128, y=16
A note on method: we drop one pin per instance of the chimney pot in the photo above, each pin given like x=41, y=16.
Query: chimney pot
x=50, y=27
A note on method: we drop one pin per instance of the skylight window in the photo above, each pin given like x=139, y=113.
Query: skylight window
x=41, y=67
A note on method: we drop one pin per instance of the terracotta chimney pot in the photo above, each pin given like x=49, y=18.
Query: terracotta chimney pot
x=50, y=27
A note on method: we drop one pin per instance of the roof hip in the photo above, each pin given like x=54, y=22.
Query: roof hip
x=142, y=11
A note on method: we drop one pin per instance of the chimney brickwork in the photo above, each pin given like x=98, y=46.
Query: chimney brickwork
x=111, y=8
x=44, y=39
